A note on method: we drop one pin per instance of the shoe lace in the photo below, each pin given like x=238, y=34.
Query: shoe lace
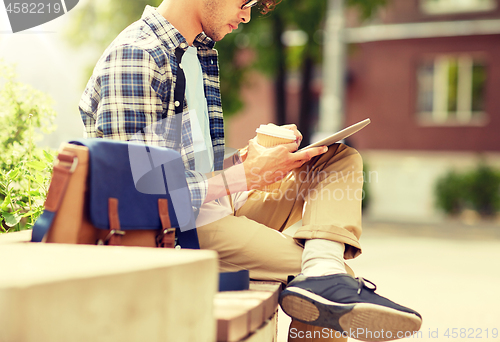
x=361, y=284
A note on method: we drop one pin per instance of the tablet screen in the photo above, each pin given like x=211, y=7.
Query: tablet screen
x=340, y=135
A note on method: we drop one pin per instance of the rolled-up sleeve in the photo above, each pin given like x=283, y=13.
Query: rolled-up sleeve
x=198, y=188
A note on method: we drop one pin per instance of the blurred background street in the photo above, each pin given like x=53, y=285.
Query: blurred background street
x=427, y=74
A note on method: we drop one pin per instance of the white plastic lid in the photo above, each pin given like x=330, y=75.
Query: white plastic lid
x=276, y=131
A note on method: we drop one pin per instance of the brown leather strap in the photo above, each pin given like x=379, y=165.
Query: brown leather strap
x=166, y=238
x=66, y=157
x=63, y=167
x=115, y=233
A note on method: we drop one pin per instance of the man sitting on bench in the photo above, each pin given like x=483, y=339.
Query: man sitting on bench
x=159, y=77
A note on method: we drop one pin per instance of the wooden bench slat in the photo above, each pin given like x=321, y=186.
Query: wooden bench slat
x=257, y=305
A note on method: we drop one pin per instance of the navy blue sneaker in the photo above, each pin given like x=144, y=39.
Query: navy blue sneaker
x=349, y=306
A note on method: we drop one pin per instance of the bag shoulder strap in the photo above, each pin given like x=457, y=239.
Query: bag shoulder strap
x=64, y=166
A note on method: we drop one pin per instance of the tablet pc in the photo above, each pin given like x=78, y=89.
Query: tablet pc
x=340, y=135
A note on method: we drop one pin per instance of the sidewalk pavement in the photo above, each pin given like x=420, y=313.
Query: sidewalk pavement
x=449, y=272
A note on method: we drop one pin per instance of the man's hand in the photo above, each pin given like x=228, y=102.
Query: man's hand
x=264, y=166
x=243, y=152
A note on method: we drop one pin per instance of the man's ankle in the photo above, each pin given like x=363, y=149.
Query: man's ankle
x=323, y=257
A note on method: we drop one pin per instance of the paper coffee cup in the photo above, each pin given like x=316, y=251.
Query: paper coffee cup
x=270, y=136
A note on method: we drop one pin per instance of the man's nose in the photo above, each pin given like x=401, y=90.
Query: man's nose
x=246, y=15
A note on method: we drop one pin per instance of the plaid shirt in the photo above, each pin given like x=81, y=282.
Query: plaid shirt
x=130, y=95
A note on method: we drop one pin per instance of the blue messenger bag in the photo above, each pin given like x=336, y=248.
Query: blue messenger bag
x=117, y=193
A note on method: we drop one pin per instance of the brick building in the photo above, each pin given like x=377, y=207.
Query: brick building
x=426, y=72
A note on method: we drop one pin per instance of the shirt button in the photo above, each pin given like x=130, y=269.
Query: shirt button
x=177, y=103
x=180, y=66
x=183, y=45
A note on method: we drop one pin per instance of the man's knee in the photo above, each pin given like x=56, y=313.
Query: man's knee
x=349, y=155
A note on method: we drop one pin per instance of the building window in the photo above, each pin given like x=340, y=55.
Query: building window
x=451, y=91
x=457, y=6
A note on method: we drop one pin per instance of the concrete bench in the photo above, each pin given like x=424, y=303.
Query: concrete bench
x=57, y=292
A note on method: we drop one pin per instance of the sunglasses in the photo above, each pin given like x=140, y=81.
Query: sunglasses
x=249, y=4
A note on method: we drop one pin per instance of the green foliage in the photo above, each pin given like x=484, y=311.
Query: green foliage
x=450, y=193
x=24, y=169
x=484, y=190
x=478, y=189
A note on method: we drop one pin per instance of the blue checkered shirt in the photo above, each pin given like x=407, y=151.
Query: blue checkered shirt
x=130, y=95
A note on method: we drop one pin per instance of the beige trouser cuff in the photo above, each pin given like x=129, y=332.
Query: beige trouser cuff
x=332, y=233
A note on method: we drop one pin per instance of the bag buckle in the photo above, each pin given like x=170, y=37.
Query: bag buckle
x=160, y=239
x=111, y=233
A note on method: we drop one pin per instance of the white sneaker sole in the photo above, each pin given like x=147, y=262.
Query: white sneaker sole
x=361, y=321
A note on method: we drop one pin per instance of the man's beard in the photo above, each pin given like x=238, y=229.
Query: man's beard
x=213, y=33
x=212, y=29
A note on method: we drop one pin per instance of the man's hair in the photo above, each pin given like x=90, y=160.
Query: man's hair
x=268, y=5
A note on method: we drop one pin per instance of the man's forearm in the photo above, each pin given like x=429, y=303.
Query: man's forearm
x=229, y=181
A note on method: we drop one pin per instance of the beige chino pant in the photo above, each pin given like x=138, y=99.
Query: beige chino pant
x=325, y=193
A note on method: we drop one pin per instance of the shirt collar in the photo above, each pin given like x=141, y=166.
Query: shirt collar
x=169, y=35
x=202, y=40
